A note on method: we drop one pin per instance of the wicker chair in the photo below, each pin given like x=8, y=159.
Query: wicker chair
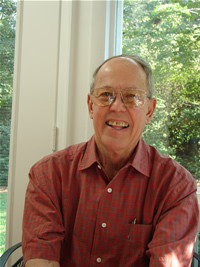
x=197, y=258
x=19, y=262
x=6, y=255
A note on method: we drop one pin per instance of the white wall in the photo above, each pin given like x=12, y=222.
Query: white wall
x=58, y=46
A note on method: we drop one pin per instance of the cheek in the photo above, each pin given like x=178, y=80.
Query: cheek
x=144, y=118
x=99, y=113
x=96, y=116
x=138, y=116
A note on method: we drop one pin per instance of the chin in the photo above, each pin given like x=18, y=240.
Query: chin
x=115, y=146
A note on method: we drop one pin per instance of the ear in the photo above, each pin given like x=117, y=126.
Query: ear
x=90, y=106
x=150, y=111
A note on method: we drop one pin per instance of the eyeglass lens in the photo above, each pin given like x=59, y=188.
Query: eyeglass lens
x=130, y=97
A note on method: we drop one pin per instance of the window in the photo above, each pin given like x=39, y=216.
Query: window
x=167, y=35
x=7, y=35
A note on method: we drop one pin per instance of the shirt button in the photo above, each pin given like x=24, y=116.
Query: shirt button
x=99, y=260
x=99, y=166
x=103, y=225
x=109, y=190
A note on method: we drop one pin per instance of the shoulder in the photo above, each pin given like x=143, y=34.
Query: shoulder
x=60, y=167
x=167, y=169
x=62, y=157
x=169, y=182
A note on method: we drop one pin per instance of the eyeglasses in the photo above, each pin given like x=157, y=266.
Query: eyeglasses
x=132, y=98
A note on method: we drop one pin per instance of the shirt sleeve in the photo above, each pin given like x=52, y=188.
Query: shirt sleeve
x=43, y=230
x=176, y=229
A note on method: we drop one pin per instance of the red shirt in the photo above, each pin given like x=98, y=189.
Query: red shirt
x=147, y=215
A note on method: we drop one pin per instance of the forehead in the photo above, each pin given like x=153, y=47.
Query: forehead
x=121, y=73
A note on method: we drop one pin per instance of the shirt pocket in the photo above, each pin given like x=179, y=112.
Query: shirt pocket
x=139, y=235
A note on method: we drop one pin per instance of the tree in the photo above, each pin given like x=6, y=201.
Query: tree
x=7, y=41
x=167, y=34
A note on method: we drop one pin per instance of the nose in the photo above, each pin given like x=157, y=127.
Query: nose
x=118, y=104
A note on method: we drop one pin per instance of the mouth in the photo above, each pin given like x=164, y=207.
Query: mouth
x=117, y=124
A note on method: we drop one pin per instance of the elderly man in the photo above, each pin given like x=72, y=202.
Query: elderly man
x=114, y=200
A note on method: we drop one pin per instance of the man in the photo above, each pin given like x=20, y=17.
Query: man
x=112, y=201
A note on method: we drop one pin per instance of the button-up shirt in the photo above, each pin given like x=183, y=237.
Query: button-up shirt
x=147, y=215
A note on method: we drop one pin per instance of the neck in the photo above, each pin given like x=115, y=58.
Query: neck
x=112, y=161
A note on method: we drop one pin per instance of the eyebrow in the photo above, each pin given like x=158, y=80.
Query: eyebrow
x=110, y=87
x=106, y=86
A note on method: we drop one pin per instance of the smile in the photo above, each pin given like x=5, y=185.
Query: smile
x=117, y=124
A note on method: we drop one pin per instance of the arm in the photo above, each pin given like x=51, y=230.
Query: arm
x=43, y=229
x=42, y=263
x=176, y=229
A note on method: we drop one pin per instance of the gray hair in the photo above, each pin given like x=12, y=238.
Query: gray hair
x=141, y=62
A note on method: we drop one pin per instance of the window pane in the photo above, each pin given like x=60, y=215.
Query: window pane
x=167, y=35
x=7, y=41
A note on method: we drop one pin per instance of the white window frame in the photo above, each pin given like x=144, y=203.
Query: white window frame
x=52, y=74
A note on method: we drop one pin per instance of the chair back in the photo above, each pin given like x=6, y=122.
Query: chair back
x=4, y=258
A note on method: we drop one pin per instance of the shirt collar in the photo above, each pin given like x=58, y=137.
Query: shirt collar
x=139, y=159
x=90, y=156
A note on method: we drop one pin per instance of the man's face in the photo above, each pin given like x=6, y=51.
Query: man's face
x=110, y=122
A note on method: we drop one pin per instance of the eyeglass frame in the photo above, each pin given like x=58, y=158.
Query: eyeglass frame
x=146, y=96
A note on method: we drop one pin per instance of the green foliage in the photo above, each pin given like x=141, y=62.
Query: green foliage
x=167, y=35
x=7, y=34
x=7, y=42
x=3, y=201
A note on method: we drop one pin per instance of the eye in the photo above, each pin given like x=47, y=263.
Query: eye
x=131, y=96
x=106, y=94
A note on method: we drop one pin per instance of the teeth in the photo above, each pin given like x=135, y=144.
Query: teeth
x=117, y=123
